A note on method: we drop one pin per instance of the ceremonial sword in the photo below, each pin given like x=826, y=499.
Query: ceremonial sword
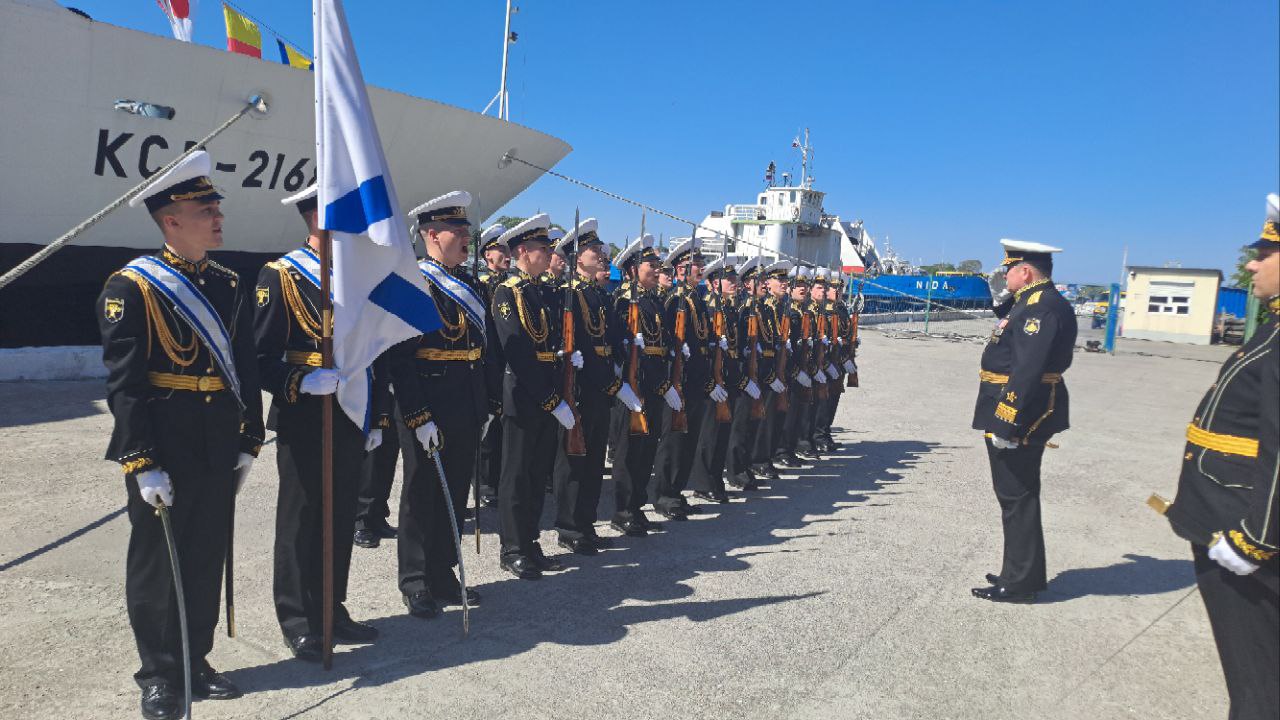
x=457, y=542
x=163, y=511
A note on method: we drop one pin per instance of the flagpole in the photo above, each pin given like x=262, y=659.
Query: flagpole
x=326, y=445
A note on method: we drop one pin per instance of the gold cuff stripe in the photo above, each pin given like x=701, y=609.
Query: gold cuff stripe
x=1006, y=413
x=1243, y=545
x=459, y=355
x=136, y=464
x=416, y=420
x=1228, y=444
x=299, y=357
x=193, y=383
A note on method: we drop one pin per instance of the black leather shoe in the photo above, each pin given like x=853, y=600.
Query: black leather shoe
x=352, y=632
x=421, y=605
x=366, y=538
x=713, y=497
x=765, y=470
x=547, y=564
x=629, y=527
x=209, y=684
x=738, y=480
x=600, y=543
x=455, y=597
x=993, y=578
x=382, y=528
x=304, y=647
x=577, y=546
x=671, y=513
x=522, y=567
x=489, y=500
x=647, y=524
x=788, y=460
x=1000, y=593
x=160, y=701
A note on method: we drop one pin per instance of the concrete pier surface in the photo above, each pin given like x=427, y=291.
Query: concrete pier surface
x=842, y=591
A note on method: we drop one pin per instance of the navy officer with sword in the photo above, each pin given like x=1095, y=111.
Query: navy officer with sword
x=182, y=386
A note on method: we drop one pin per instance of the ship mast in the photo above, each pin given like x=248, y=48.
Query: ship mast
x=502, y=98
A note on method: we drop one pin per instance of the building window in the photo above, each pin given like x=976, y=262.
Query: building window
x=793, y=196
x=1170, y=298
x=759, y=229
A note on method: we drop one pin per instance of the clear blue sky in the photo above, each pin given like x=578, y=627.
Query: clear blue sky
x=945, y=125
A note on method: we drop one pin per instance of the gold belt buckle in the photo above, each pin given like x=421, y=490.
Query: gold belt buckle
x=205, y=383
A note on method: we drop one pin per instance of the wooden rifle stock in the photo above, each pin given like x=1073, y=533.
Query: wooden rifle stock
x=575, y=443
x=679, y=418
x=784, y=331
x=639, y=424
x=722, y=408
x=821, y=365
x=853, y=348
x=753, y=365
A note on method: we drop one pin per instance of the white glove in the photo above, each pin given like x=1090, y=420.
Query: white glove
x=484, y=427
x=849, y=367
x=777, y=386
x=673, y=399
x=719, y=394
x=759, y=349
x=428, y=436
x=320, y=382
x=820, y=377
x=753, y=390
x=628, y=398
x=826, y=340
x=243, y=463
x=684, y=350
x=839, y=340
x=372, y=442
x=724, y=343
x=788, y=344
x=832, y=370
x=804, y=379
x=1222, y=554
x=154, y=485
x=576, y=359
x=639, y=340
x=564, y=415
x=617, y=370
x=1002, y=444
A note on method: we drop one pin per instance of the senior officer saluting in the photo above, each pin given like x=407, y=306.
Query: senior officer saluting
x=1022, y=402
x=532, y=403
x=1229, y=499
x=182, y=385
x=288, y=331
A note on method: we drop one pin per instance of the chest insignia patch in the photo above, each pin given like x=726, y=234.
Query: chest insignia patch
x=1032, y=326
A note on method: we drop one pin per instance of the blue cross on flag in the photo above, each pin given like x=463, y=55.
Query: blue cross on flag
x=380, y=297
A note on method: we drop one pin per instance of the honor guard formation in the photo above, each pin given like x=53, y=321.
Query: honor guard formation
x=689, y=381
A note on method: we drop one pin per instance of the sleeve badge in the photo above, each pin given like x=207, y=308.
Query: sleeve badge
x=1032, y=326
x=264, y=295
x=504, y=309
x=113, y=309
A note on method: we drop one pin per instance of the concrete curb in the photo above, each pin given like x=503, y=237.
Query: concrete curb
x=73, y=362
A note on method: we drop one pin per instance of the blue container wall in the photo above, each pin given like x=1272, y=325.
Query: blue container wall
x=1232, y=301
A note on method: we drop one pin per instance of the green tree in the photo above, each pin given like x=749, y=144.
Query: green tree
x=1241, y=277
x=970, y=266
x=937, y=267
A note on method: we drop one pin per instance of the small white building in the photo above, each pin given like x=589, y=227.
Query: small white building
x=1171, y=304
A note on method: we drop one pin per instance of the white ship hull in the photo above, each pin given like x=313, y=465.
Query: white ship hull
x=67, y=152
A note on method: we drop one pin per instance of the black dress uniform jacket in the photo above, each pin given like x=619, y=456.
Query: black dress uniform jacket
x=1021, y=394
x=173, y=411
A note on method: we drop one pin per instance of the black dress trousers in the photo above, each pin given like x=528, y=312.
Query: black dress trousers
x=633, y=458
x=769, y=435
x=673, y=461
x=528, y=459
x=742, y=435
x=1245, y=618
x=376, y=478
x=1015, y=474
x=299, y=556
x=707, y=474
x=578, y=480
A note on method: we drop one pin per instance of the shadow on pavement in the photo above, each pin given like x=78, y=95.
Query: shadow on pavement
x=36, y=402
x=597, y=600
x=1135, y=575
